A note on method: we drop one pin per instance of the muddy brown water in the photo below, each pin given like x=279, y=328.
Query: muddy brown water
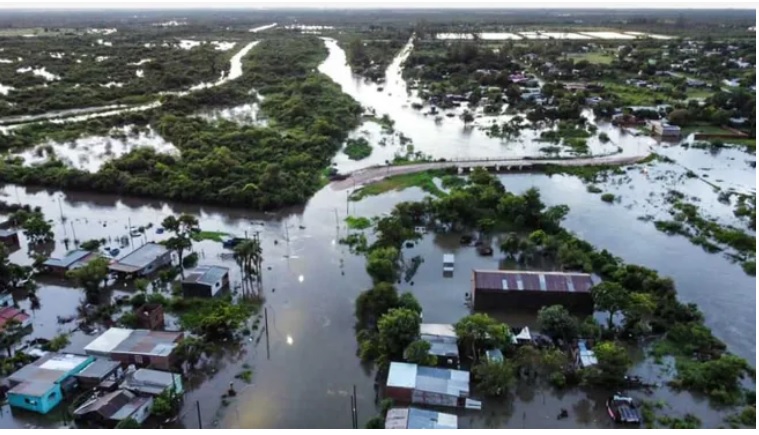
x=311, y=282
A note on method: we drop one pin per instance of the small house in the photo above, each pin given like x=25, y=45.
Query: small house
x=449, y=260
x=416, y=418
x=523, y=290
x=410, y=383
x=72, y=260
x=665, y=130
x=443, y=342
x=150, y=316
x=6, y=299
x=140, y=347
x=9, y=238
x=41, y=385
x=102, y=374
x=205, y=281
x=152, y=382
x=109, y=409
x=142, y=261
x=584, y=357
x=9, y=313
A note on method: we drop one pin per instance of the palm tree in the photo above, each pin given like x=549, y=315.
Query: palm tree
x=247, y=254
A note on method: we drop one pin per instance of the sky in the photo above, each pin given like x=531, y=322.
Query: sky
x=253, y=4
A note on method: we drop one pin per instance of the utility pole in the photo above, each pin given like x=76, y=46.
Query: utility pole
x=200, y=422
x=73, y=231
x=355, y=406
x=129, y=222
x=266, y=326
x=60, y=207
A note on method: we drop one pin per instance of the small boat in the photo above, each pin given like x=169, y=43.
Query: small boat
x=622, y=409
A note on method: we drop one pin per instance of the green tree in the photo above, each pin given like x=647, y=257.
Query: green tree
x=479, y=332
x=91, y=277
x=511, y=245
x=611, y=297
x=11, y=334
x=37, y=229
x=382, y=264
x=494, y=378
x=183, y=228
x=398, y=328
x=373, y=303
x=166, y=405
x=13, y=276
x=639, y=310
x=418, y=352
x=190, y=350
x=248, y=256
x=128, y=423
x=467, y=117
x=613, y=362
x=408, y=301
x=556, y=322
x=57, y=343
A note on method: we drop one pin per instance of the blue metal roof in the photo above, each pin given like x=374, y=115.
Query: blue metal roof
x=209, y=275
x=70, y=258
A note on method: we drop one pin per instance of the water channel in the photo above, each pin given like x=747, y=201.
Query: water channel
x=311, y=282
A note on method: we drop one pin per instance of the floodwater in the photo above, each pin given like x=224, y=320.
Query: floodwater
x=304, y=377
x=503, y=36
x=89, y=153
x=448, y=137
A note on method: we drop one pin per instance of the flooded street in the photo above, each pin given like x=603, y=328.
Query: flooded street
x=304, y=377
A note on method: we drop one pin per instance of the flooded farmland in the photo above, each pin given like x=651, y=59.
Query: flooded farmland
x=304, y=376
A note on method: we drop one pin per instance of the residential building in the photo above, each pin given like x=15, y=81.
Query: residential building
x=584, y=357
x=140, y=347
x=9, y=238
x=523, y=290
x=663, y=129
x=103, y=374
x=109, y=409
x=9, y=313
x=152, y=382
x=415, y=418
x=41, y=385
x=410, y=383
x=72, y=260
x=142, y=261
x=443, y=342
x=205, y=281
x=6, y=299
x=150, y=316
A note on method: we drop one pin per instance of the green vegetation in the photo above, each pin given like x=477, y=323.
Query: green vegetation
x=592, y=57
x=223, y=162
x=91, y=277
x=357, y=149
x=245, y=375
x=358, y=223
x=608, y=197
x=423, y=180
x=215, y=236
x=57, y=343
x=369, y=54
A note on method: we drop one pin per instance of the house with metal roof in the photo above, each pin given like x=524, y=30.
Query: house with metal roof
x=41, y=385
x=9, y=238
x=443, y=342
x=102, y=374
x=140, y=347
x=72, y=260
x=410, y=383
x=152, y=382
x=10, y=313
x=205, y=281
x=142, y=261
x=109, y=409
x=584, y=357
x=524, y=290
x=415, y=418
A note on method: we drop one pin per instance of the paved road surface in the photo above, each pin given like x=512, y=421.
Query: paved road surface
x=377, y=173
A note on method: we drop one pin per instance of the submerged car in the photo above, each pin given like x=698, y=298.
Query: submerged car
x=623, y=410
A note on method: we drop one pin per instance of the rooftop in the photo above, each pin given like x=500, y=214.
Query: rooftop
x=518, y=280
x=139, y=341
x=38, y=377
x=429, y=379
x=6, y=233
x=441, y=337
x=204, y=274
x=69, y=259
x=139, y=258
x=415, y=418
x=152, y=382
x=8, y=313
x=116, y=405
x=99, y=368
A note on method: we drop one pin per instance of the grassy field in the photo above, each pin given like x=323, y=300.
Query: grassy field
x=592, y=57
x=209, y=235
x=423, y=180
x=36, y=31
x=633, y=95
x=703, y=128
x=696, y=93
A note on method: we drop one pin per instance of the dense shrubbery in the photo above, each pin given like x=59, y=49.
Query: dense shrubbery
x=225, y=163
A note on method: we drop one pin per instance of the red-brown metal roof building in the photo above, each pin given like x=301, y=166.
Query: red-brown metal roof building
x=525, y=290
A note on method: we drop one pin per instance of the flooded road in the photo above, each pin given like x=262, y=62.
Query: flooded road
x=305, y=378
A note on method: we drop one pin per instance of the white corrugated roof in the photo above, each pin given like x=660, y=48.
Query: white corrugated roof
x=439, y=329
x=108, y=340
x=402, y=375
